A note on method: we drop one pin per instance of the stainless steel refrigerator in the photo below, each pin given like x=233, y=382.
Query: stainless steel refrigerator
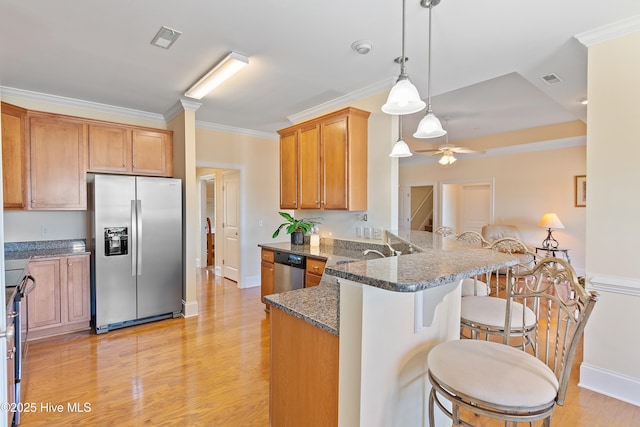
x=137, y=269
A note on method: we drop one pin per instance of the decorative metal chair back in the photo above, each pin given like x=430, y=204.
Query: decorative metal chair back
x=512, y=246
x=473, y=237
x=562, y=307
x=445, y=231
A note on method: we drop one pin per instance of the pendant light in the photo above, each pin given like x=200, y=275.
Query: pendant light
x=400, y=148
x=429, y=126
x=404, y=97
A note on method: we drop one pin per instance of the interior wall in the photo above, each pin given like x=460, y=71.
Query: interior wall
x=611, y=354
x=526, y=186
x=257, y=159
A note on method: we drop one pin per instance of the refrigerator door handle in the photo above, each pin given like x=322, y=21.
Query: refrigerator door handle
x=139, y=236
x=133, y=238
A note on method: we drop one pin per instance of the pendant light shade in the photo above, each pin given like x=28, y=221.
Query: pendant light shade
x=404, y=97
x=429, y=127
x=400, y=148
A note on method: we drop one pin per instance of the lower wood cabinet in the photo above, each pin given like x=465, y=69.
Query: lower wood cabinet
x=266, y=274
x=304, y=373
x=61, y=300
x=313, y=273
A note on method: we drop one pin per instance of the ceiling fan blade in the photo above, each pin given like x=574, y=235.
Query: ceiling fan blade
x=466, y=150
x=428, y=152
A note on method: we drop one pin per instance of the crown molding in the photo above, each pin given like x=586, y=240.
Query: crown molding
x=77, y=103
x=235, y=130
x=554, y=144
x=342, y=101
x=179, y=106
x=610, y=31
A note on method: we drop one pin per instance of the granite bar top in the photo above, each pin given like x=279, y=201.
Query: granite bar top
x=428, y=260
x=44, y=249
x=317, y=305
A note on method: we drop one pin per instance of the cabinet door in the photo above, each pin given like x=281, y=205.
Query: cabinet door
x=14, y=157
x=309, y=173
x=288, y=171
x=334, y=157
x=266, y=279
x=152, y=153
x=58, y=163
x=109, y=149
x=45, y=307
x=78, y=299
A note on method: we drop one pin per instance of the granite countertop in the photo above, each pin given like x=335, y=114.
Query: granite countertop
x=44, y=249
x=429, y=260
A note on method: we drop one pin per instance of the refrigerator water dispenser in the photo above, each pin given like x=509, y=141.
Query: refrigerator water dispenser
x=115, y=241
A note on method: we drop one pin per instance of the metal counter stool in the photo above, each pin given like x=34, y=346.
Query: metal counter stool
x=515, y=384
x=483, y=314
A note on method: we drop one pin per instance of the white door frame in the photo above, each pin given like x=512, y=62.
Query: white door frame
x=404, y=201
x=480, y=181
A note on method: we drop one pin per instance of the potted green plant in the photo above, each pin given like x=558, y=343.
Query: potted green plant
x=296, y=227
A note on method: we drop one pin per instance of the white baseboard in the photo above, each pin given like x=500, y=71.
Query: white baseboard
x=189, y=309
x=610, y=384
x=198, y=264
x=250, y=282
x=217, y=271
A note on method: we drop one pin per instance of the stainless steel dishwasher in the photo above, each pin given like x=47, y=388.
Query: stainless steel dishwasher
x=288, y=271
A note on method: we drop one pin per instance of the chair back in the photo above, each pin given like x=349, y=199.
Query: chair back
x=445, y=231
x=512, y=246
x=562, y=307
x=474, y=238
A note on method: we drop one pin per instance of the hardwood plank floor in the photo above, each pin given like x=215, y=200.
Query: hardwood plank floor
x=211, y=370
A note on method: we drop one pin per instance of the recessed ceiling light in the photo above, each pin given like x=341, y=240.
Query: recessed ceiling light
x=165, y=37
x=361, y=46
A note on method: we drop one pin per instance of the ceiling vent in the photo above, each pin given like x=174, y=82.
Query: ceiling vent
x=165, y=37
x=551, y=79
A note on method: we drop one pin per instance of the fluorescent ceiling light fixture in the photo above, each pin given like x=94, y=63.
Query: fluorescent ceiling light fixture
x=165, y=37
x=224, y=69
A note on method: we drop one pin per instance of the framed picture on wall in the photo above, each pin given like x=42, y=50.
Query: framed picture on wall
x=580, y=191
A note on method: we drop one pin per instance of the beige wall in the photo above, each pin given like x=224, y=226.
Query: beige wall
x=526, y=186
x=257, y=159
x=612, y=342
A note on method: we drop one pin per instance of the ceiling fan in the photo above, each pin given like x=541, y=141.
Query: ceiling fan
x=448, y=151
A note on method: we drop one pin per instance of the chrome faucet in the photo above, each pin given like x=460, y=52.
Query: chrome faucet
x=393, y=251
x=367, y=251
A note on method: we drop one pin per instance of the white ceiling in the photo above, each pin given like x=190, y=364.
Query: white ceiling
x=487, y=60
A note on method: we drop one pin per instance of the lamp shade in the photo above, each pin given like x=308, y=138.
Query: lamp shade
x=403, y=98
x=550, y=220
x=400, y=149
x=429, y=127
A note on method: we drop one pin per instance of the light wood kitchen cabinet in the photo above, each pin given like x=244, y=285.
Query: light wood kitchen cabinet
x=266, y=274
x=60, y=302
x=15, y=157
x=129, y=150
x=332, y=161
x=289, y=170
x=313, y=272
x=304, y=373
x=58, y=162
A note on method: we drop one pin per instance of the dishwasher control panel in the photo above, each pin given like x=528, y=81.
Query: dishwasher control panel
x=293, y=260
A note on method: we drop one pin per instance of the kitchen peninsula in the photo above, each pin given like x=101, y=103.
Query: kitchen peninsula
x=372, y=324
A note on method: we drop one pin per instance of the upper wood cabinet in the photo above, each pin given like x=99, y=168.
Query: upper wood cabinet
x=331, y=162
x=58, y=162
x=15, y=157
x=130, y=150
x=289, y=170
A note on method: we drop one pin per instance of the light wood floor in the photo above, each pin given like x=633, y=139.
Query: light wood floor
x=211, y=370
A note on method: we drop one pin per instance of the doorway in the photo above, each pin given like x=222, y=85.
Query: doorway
x=207, y=220
x=417, y=207
x=466, y=205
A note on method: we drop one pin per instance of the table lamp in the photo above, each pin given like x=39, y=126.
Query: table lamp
x=550, y=221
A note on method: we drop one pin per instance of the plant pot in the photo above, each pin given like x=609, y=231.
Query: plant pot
x=297, y=238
